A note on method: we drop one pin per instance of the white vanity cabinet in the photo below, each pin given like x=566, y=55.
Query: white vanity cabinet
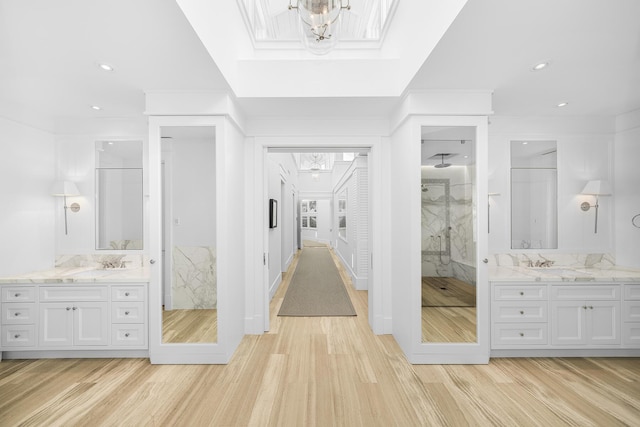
x=98, y=317
x=631, y=315
x=73, y=316
x=552, y=317
x=585, y=315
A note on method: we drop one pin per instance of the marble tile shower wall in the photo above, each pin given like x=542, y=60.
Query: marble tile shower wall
x=194, y=284
x=601, y=261
x=448, y=249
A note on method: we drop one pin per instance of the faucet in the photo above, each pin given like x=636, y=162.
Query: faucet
x=108, y=264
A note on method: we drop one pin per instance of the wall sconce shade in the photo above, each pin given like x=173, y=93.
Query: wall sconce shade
x=64, y=189
x=595, y=188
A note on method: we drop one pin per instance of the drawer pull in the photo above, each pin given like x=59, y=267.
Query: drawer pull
x=75, y=308
x=17, y=313
x=126, y=335
x=126, y=313
x=126, y=294
x=521, y=334
x=521, y=311
x=584, y=307
x=17, y=294
x=68, y=308
x=591, y=307
x=16, y=336
x=521, y=293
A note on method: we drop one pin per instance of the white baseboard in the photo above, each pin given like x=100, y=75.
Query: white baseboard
x=274, y=286
x=75, y=354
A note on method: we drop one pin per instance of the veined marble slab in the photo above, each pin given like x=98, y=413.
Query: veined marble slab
x=563, y=274
x=80, y=275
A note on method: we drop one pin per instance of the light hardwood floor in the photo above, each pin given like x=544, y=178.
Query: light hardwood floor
x=190, y=326
x=320, y=371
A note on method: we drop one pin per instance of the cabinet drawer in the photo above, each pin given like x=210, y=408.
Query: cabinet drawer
x=16, y=313
x=586, y=293
x=73, y=293
x=18, y=293
x=631, y=334
x=127, y=293
x=18, y=335
x=519, y=292
x=519, y=334
x=127, y=335
x=632, y=292
x=631, y=311
x=525, y=311
x=127, y=312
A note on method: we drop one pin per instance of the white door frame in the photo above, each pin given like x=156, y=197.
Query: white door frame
x=451, y=353
x=183, y=353
x=374, y=146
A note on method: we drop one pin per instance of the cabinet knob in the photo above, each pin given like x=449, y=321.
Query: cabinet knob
x=521, y=311
x=126, y=335
x=584, y=307
x=521, y=293
x=75, y=308
x=68, y=308
x=16, y=314
x=152, y=261
x=16, y=336
x=17, y=294
x=591, y=307
x=126, y=294
x=126, y=313
x=521, y=334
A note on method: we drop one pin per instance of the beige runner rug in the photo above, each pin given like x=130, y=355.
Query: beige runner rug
x=316, y=288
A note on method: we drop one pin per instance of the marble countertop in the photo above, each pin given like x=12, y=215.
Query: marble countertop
x=563, y=274
x=80, y=275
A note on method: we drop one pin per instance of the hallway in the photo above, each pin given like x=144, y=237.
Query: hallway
x=320, y=371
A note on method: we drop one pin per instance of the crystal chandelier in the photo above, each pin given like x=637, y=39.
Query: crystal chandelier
x=319, y=22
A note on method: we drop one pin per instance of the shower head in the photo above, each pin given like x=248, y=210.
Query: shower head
x=442, y=164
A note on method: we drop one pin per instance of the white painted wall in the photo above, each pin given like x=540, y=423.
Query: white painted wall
x=627, y=189
x=353, y=249
x=27, y=210
x=75, y=160
x=584, y=153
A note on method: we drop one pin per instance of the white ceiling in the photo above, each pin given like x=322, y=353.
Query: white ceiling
x=49, y=53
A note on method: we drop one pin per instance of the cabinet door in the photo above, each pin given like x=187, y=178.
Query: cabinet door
x=603, y=322
x=568, y=323
x=91, y=323
x=56, y=324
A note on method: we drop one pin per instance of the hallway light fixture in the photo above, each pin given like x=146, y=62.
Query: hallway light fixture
x=64, y=189
x=319, y=22
x=595, y=188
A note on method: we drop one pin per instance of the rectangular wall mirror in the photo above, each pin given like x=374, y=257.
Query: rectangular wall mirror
x=534, y=195
x=119, y=204
x=449, y=270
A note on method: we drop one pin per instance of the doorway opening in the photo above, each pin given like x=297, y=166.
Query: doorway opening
x=324, y=203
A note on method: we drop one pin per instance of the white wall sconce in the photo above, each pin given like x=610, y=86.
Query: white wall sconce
x=595, y=188
x=64, y=189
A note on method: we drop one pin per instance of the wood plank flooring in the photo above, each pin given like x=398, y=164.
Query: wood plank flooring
x=447, y=292
x=449, y=324
x=320, y=372
x=190, y=326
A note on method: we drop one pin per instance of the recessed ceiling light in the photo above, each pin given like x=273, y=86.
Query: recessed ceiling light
x=106, y=67
x=539, y=66
x=95, y=107
x=562, y=104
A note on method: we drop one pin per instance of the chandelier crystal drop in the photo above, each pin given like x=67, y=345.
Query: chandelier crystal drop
x=319, y=22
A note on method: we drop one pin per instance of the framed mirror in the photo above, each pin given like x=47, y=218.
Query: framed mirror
x=119, y=191
x=449, y=238
x=189, y=243
x=534, y=195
